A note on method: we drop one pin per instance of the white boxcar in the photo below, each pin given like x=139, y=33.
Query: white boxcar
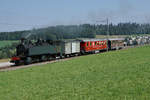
x=70, y=47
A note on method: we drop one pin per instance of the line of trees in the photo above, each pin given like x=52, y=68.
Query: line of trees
x=52, y=33
x=77, y=31
x=8, y=51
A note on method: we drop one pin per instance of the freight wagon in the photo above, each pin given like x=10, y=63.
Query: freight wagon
x=70, y=47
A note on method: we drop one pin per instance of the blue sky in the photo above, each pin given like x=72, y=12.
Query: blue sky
x=27, y=14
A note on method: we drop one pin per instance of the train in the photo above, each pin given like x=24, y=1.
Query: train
x=28, y=52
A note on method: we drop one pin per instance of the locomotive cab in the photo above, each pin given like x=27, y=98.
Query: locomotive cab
x=22, y=48
x=21, y=52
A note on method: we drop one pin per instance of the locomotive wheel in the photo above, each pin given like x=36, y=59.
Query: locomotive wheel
x=17, y=63
x=49, y=58
x=43, y=58
x=62, y=56
x=28, y=60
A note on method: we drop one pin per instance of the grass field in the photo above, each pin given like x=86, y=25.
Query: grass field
x=111, y=36
x=116, y=75
x=7, y=42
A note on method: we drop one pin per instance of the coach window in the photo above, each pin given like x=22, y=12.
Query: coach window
x=104, y=43
x=87, y=44
x=90, y=43
x=95, y=43
x=99, y=43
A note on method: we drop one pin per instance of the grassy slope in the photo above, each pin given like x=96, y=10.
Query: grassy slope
x=111, y=36
x=7, y=42
x=117, y=75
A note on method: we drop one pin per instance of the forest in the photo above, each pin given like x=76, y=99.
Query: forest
x=77, y=31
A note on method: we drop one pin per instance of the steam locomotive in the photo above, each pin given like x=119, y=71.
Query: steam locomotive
x=28, y=51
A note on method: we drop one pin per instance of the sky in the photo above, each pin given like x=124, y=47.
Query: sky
x=18, y=15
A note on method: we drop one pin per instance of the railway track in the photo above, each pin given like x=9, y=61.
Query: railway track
x=13, y=67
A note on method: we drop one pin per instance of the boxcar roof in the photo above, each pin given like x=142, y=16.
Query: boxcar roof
x=71, y=40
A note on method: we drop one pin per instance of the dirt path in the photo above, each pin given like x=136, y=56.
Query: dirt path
x=8, y=66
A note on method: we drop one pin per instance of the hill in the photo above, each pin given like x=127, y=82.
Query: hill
x=115, y=75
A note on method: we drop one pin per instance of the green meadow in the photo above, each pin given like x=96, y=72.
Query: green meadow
x=114, y=75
